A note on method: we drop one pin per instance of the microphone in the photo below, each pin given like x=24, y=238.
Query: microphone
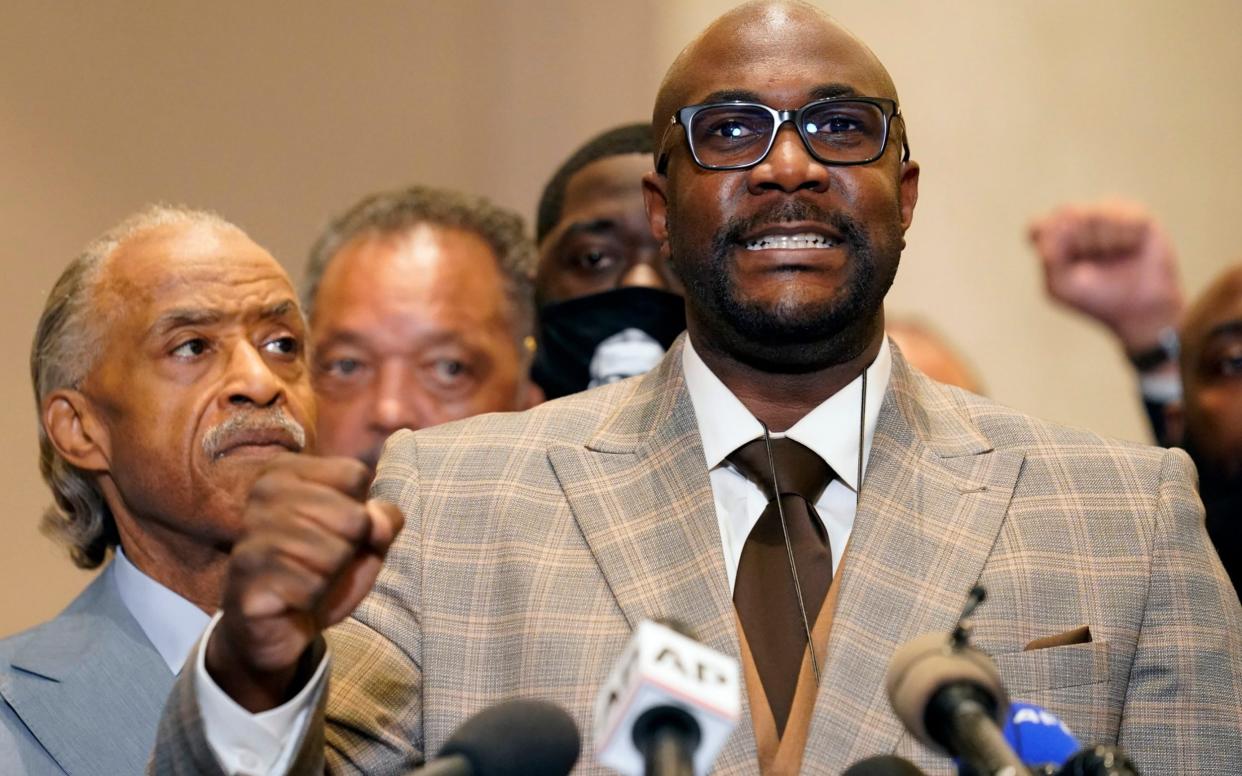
x=667, y=707
x=950, y=697
x=1038, y=737
x=515, y=738
x=883, y=765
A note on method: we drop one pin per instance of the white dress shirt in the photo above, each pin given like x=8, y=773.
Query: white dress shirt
x=831, y=430
x=247, y=743
x=171, y=623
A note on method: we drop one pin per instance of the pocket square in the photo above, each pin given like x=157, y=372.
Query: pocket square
x=1079, y=635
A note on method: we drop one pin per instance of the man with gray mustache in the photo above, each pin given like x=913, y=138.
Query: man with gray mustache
x=169, y=368
x=253, y=427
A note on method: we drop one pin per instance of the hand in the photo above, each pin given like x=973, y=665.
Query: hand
x=311, y=552
x=1113, y=261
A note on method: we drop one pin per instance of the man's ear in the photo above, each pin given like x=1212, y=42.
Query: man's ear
x=72, y=425
x=655, y=197
x=909, y=192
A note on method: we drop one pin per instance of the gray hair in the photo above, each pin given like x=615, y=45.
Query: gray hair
x=394, y=212
x=66, y=345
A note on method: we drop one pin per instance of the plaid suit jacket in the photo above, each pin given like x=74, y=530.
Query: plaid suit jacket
x=536, y=541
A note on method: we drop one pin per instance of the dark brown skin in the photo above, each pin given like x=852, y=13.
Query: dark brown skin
x=161, y=384
x=1211, y=365
x=412, y=330
x=603, y=240
x=783, y=55
x=312, y=552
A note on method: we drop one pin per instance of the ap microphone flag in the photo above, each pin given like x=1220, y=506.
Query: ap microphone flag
x=662, y=672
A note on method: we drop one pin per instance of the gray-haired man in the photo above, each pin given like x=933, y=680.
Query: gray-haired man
x=168, y=366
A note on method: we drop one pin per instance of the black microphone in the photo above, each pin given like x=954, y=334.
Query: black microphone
x=515, y=738
x=883, y=765
x=1099, y=761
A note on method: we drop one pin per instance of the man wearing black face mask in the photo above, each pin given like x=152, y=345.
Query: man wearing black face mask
x=609, y=306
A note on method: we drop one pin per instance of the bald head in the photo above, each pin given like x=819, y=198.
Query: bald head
x=764, y=32
x=786, y=238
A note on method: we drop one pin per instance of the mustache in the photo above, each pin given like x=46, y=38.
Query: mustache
x=269, y=425
x=735, y=229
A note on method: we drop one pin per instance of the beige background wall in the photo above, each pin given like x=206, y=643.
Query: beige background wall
x=280, y=114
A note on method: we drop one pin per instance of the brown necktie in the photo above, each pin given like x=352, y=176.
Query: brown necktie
x=764, y=593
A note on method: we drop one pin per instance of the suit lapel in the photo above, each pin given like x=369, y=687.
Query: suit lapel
x=90, y=686
x=933, y=500
x=640, y=493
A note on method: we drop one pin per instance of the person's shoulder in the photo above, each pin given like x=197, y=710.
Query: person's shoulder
x=1004, y=428
x=28, y=641
x=14, y=643
x=74, y=619
x=571, y=420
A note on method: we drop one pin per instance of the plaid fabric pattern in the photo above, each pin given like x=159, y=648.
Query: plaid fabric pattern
x=536, y=541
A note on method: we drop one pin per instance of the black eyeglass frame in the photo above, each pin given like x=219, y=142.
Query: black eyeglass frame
x=684, y=117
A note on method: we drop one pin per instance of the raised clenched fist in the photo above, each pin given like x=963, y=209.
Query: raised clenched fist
x=312, y=549
x=1113, y=261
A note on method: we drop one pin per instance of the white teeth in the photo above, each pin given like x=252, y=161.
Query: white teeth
x=786, y=242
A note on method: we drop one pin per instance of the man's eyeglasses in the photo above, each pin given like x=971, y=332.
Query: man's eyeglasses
x=736, y=135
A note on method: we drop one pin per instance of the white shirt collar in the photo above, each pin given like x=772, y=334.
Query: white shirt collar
x=831, y=429
x=172, y=623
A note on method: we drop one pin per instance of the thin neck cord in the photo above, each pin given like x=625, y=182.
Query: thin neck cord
x=780, y=509
x=793, y=566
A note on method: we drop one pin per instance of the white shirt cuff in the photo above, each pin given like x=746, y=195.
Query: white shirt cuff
x=248, y=744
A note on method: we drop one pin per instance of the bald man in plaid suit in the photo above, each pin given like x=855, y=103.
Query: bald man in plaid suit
x=533, y=543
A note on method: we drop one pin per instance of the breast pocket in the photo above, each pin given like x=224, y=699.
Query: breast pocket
x=1054, y=668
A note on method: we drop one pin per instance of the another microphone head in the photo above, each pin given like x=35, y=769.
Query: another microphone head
x=519, y=737
x=1038, y=736
x=663, y=679
x=1099, y=761
x=883, y=765
x=922, y=667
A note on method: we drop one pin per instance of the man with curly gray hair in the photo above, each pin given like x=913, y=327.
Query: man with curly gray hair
x=168, y=367
x=421, y=308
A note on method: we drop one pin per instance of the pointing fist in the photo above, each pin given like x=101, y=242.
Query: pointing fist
x=312, y=550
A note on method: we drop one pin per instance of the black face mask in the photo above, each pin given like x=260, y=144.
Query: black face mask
x=599, y=339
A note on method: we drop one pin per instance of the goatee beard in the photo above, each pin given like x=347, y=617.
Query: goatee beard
x=791, y=338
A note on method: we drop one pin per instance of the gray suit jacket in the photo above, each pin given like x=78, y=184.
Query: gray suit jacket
x=82, y=693
x=536, y=541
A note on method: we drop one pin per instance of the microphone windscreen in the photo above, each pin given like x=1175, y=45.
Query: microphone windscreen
x=923, y=666
x=517, y=738
x=883, y=765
